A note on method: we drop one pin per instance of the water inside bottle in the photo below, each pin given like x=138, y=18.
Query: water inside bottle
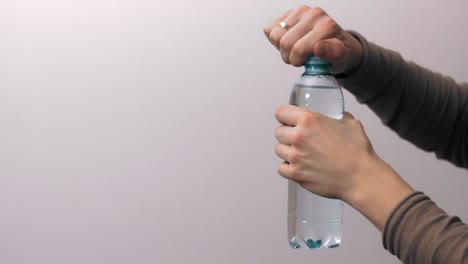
x=314, y=221
x=321, y=99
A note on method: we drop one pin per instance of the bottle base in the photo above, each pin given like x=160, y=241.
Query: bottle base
x=313, y=244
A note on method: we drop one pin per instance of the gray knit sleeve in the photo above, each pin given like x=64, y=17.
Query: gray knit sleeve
x=426, y=108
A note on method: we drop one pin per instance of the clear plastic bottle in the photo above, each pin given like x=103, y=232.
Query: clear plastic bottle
x=315, y=221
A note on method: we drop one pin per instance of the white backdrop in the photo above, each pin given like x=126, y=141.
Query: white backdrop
x=138, y=131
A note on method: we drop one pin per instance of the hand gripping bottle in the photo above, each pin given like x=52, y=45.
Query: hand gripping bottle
x=315, y=221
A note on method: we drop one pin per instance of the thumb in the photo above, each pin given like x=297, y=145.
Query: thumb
x=333, y=50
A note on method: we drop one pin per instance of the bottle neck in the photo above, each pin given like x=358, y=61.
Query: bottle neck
x=316, y=70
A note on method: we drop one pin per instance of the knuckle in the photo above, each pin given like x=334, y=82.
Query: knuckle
x=278, y=149
x=328, y=21
x=279, y=110
x=277, y=132
x=309, y=118
x=294, y=156
x=330, y=25
x=303, y=8
x=297, y=137
x=281, y=171
x=285, y=57
x=296, y=62
x=293, y=173
x=358, y=124
x=298, y=51
x=354, y=122
x=285, y=44
x=266, y=30
x=315, y=12
x=275, y=36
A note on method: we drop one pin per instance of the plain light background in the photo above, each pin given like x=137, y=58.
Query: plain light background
x=137, y=131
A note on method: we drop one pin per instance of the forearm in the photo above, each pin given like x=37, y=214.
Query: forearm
x=413, y=227
x=377, y=191
x=422, y=106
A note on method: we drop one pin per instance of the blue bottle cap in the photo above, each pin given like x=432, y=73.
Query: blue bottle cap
x=314, y=60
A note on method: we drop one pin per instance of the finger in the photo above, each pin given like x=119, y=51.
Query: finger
x=283, y=134
x=330, y=49
x=297, y=29
x=274, y=23
x=275, y=38
x=326, y=28
x=288, y=114
x=333, y=50
x=303, y=48
x=283, y=152
x=285, y=170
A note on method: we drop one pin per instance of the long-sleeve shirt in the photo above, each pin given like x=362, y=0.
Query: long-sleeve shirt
x=431, y=111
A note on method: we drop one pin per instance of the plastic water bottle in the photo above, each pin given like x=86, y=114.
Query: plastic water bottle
x=315, y=221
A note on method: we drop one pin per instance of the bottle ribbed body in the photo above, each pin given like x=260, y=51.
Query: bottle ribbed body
x=315, y=221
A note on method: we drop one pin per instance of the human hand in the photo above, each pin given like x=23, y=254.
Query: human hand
x=335, y=159
x=312, y=31
x=324, y=155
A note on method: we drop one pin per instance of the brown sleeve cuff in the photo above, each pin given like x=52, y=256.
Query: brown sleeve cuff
x=396, y=217
x=418, y=231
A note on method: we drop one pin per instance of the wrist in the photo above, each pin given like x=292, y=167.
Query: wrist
x=354, y=54
x=378, y=189
x=357, y=54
